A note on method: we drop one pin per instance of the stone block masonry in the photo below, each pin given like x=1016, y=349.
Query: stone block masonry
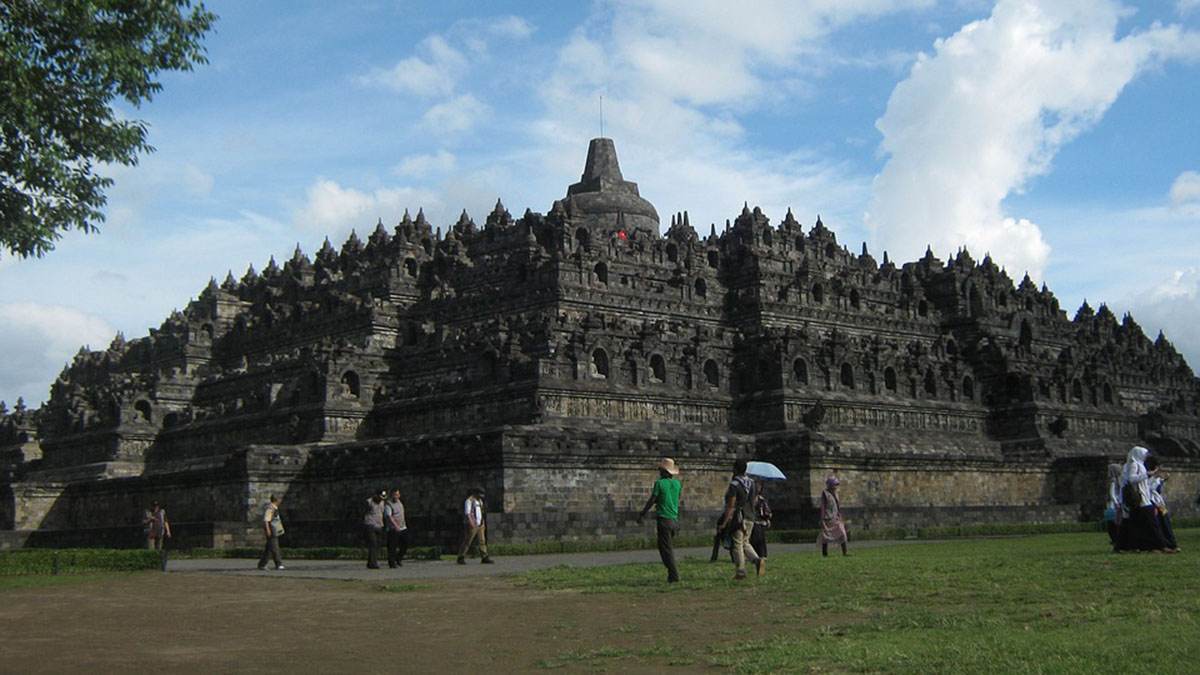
x=554, y=358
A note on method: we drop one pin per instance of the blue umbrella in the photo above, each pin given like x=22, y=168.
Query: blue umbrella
x=764, y=470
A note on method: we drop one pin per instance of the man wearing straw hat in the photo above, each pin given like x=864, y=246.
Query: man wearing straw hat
x=664, y=497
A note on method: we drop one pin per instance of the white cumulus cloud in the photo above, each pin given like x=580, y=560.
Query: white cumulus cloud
x=455, y=116
x=710, y=51
x=1186, y=189
x=988, y=111
x=333, y=210
x=678, y=80
x=36, y=341
x=1172, y=305
x=512, y=27
x=421, y=165
x=433, y=74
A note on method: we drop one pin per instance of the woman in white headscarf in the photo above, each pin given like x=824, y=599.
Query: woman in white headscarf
x=1157, y=478
x=1140, y=530
x=1112, y=507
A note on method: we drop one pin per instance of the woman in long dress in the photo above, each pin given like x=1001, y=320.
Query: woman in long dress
x=1157, y=478
x=1140, y=529
x=833, y=527
x=1112, y=508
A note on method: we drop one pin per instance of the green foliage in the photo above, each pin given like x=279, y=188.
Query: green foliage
x=76, y=561
x=1055, y=603
x=62, y=65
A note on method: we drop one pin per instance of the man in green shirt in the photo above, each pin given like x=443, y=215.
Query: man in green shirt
x=664, y=497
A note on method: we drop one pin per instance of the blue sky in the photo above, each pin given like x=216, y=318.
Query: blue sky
x=1058, y=135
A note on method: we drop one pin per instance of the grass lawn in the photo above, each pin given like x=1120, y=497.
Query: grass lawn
x=1044, y=604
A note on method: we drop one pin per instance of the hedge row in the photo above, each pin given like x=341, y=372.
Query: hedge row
x=76, y=561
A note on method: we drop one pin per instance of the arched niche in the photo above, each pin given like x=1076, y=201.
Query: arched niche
x=800, y=371
x=351, y=386
x=658, y=369
x=599, y=368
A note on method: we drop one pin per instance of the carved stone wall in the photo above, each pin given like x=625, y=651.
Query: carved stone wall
x=554, y=357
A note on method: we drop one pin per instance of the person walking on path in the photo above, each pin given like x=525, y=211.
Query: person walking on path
x=397, y=530
x=762, y=522
x=1112, y=506
x=474, y=527
x=721, y=538
x=156, y=527
x=664, y=497
x=272, y=528
x=1140, y=529
x=373, y=527
x=833, y=527
x=739, y=510
x=1158, y=478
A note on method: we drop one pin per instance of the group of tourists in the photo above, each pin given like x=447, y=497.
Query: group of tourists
x=1136, y=516
x=383, y=520
x=383, y=523
x=742, y=525
x=1136, y=512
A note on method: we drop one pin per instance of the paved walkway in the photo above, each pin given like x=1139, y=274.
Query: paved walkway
x=448, y=568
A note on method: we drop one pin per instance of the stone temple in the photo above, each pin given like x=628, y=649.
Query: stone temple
x=553, y=358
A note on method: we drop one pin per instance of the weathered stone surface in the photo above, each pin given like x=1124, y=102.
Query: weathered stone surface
x=552, y=359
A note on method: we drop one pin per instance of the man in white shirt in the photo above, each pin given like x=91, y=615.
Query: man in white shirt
x=473, y=527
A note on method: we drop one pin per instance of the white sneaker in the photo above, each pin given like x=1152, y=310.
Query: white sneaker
x=281, y=567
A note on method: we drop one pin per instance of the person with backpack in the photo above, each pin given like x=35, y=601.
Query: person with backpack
x=762, y=521
x=739, y=515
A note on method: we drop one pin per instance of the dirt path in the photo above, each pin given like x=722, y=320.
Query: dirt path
x=154, y=622
x=334, y=616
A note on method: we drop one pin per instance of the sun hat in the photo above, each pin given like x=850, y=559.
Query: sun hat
x=667, y=464
x=832, y=481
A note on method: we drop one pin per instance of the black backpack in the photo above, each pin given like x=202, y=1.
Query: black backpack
x=747, y=495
